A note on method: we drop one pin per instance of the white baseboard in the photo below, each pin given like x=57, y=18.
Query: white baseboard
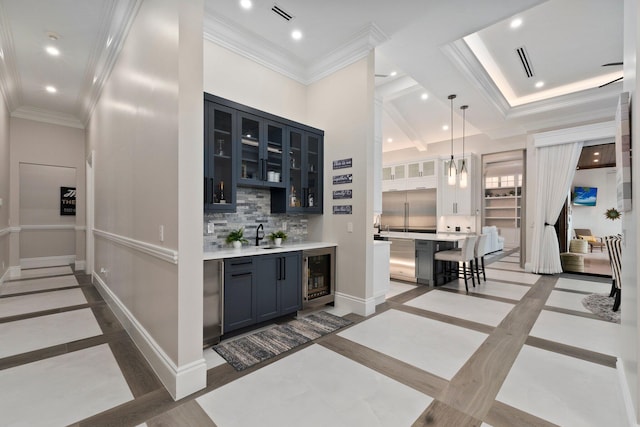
x=357, y=305
x=80, y=265
x=180, y=381
x=5, y=276
x=626, y=395
x=14, y=272
x=50, y=261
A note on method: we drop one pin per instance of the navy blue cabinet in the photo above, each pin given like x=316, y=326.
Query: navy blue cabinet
x=219, y=152
x=239, y=293
x=261, y=287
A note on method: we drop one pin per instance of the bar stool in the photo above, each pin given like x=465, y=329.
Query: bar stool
x=479, y=253
x=614, y=248
x=463, y=255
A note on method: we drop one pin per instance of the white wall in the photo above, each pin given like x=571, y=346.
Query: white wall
x=592, y=217
x=146, y=131
x=630, y=255
x=343, y=105
x=4, y=189
x=46, y=144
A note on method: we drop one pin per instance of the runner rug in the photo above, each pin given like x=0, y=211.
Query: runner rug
x=260, y=346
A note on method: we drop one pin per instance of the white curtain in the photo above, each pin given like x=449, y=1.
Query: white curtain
x=556, y=168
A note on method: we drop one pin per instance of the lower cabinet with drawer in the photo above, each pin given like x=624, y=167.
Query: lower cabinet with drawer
x=261, y=287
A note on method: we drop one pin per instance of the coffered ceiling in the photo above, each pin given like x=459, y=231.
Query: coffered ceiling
x=435, y=48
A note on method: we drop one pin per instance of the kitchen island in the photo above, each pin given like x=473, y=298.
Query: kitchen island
x=412, y=254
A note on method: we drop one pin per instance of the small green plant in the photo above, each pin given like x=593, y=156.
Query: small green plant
x=278, y=235
x=612, y=214
x=237, y=236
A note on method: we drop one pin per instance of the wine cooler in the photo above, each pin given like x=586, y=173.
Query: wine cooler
x=319, y=274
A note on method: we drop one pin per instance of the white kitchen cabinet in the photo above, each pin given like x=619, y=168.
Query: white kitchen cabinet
x=453, y=200
x=394, y=177
x=422, y=174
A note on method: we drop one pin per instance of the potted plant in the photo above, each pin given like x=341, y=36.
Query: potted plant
x=236, y=238
x=277, y=237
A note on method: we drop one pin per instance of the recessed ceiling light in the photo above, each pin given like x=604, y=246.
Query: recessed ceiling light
x=516, y=23
x=246, y=4
x=424, y=96
x=445, y=127
x=389, y=139
x=53, y=51
x=393, y=73
x=296, y=34
x=596, y=160
x=596, y=153
x=539, y=84
x=51, y=89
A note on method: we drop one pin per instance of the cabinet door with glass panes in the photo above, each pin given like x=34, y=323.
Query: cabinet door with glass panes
x=261, y=151
x=219, y=152
x=422, y=174
x=304, y=190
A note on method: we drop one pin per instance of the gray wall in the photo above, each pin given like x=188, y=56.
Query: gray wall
x=4, y=188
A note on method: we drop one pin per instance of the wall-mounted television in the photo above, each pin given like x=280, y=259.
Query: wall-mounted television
x=585, y=196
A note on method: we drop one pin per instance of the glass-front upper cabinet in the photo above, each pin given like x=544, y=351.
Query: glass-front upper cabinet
x=262, y=145
x=219, y=173
x=304, y=190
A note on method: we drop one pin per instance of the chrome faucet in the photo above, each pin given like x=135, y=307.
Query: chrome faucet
x=259, y=234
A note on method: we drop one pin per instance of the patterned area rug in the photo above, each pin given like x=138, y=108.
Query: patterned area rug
x=255, y=348
x=601, y=305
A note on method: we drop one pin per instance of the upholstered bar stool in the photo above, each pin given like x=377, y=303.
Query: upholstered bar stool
x=614, y=248
x=463, y=255
x=479, y=253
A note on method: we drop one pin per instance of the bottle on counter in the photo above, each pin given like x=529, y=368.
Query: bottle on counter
x=292, y=197
x=310, y=201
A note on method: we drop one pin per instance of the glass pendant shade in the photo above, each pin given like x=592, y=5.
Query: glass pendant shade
x=464, y=175
x=451, y=180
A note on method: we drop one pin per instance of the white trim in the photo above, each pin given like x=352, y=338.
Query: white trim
x=179, y=381
x=575, y=134
x=14, y=272
x=159, y=252
x=49, y=227
x=80, y=228
x=5, y=231
x=5, y=276
x=357, y=305
x=626, y=395
x=47, y=116
x=14, y=229
x=80, y=265
x=49, y=261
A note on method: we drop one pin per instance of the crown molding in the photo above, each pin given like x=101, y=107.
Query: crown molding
x=466, y=62
x=356, y=48
x=578, y=133
x=250, y=45
x=47, y=116
x=117, y=20
x=10, y=82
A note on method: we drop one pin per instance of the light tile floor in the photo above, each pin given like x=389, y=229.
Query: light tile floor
x=30, y=285
x=321, y=384
x=294, y=392
x=563, y=390
x=397, y=288
x=584, y=285
x=568, y=300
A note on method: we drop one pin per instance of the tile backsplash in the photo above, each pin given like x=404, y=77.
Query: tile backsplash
x=253, y=208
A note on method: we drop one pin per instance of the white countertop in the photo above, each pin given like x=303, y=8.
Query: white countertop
x=262, y=250
x=441, y=237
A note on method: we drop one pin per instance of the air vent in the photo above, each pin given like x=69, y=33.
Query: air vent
x=281, y=12
x=526, y=62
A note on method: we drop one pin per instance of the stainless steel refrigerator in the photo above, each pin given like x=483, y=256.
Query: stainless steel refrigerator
x=413, y=210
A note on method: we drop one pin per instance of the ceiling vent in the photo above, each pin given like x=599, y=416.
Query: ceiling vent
x=526, y=62
x=282, y=13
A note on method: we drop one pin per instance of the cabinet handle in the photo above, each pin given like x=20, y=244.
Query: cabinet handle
x=233, y=264
x=206, y=201
x=284, y=268
x=241, y=274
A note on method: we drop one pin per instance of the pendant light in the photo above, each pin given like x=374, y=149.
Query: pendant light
x=464, y=173
x=452, y=164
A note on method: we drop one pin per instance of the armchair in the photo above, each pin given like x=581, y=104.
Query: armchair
x=586, y=234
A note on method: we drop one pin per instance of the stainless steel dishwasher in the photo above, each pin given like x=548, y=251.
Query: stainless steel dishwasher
x=212, y=301
x=402, y=264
